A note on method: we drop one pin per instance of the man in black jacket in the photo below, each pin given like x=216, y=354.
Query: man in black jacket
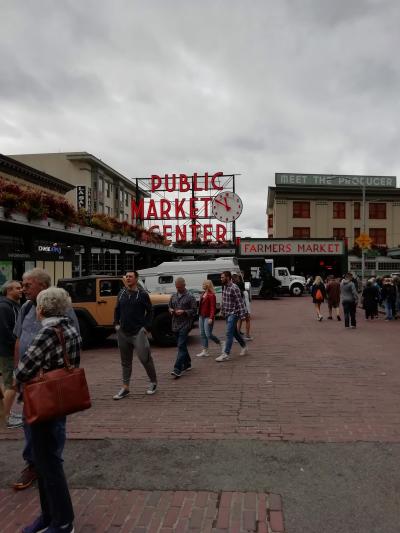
x=132, y=320
x=9, y=308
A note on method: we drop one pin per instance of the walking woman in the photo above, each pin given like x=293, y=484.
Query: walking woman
x=207, y=308
x=318, y=293
x=48, y=438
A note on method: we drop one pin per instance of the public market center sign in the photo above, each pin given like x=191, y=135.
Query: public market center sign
x=270, y=247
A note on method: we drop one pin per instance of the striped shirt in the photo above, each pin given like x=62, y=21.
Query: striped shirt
x=45, y=351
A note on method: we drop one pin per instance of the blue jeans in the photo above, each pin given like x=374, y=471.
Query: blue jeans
x=349, y=310
x=389, y=309
x=48, y=439
x=231, y=331
x=27, y=453
x=183, y=360
x=206, y=332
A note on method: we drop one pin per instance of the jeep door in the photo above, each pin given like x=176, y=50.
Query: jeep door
x=107, y=292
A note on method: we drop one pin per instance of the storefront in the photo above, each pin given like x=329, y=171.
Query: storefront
x=301, y=257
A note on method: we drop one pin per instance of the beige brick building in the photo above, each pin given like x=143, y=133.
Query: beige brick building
x=97, y=186
x=331, y=206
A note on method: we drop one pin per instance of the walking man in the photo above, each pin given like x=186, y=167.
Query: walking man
x=183, y=309
x=9, y=308
x=349, y=298
x=232, y=308
x=132, y=320
x=333, y=293
x=26, y=329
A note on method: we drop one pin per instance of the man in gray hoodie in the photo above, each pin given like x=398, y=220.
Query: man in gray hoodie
x=349, y=297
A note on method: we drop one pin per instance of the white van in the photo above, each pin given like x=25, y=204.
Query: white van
x=162, y=277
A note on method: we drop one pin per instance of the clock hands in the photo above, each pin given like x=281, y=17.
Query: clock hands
x=224, y=203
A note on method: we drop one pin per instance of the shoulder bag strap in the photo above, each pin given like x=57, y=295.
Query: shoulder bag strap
x=61, y=338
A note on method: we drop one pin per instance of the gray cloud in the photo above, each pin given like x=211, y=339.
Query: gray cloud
x=250, y=87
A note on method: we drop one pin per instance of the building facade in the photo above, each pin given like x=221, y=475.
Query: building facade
x=308, y=206
x=97, y=187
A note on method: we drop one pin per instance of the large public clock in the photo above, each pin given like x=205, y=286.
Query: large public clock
x=227, y=206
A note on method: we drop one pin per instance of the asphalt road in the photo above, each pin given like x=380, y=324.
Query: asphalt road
x=326, y=488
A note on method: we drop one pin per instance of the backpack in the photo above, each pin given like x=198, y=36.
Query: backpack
x=318, y=295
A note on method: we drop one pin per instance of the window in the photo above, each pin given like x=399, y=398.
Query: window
x=121, y=196
x=357, y=232
x=357, y=210
x=126, y=199
x=339, y=209
x=100, y=185
x=110, y=287
x=108, y=189
x=216, y=279
x=339, y=233
x=378, y=236
x=301, y=233
x=80, y=291
x=282, y=272
x=165, y=279
x=377, y=211
x=301, y=209
x=101, y=208
x=270, y=221
x=108, y=210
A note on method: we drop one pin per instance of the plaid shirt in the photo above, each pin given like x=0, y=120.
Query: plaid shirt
x=46, y=351
x=187, y=302
x=232, y=301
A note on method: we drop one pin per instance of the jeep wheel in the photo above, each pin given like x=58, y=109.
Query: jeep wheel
x=296, y=290
x=161, y=330
x=86, y=333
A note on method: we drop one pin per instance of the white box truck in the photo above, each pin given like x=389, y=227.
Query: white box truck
x=289, y=283
x=162, y=277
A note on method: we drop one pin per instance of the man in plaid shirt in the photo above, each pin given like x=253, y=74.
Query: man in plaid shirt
x=233, y=308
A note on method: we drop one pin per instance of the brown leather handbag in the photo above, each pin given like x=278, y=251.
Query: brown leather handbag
x=56, y=393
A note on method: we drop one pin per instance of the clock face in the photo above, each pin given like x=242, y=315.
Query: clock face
x=227, y=206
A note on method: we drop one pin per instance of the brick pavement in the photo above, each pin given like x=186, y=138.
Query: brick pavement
x=302, y=381
x=112, y=511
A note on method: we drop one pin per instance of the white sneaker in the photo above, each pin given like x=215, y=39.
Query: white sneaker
x=223, y=357
x=223, y=344
x=243, y=351
x=203, y=353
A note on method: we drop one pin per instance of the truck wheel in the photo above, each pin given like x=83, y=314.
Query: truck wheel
x=296, y=290
x=161, y=330
x=86, y=333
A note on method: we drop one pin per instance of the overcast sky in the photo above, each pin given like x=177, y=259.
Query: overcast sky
x=251, y=87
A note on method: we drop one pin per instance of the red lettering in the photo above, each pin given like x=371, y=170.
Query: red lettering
x=207, y=200
x=152, y=210
x=137, y=210
x=220, y=232
x=260, y=247
x=253, y=248
x=172, y=187
x=330, y=248
x=214, y=184
x=184, y=184
x=193, y=209
x=180, y=233
x=167, y=232
x=288, y=248
x=195, y=231
x=337, y=245
x=281, y=247
x=165, y=207
x=196, y=186
x=207, y=232
x=179, y=211
x=155, y=182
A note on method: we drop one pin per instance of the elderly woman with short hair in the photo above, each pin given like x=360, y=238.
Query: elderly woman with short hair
x=48, y=438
